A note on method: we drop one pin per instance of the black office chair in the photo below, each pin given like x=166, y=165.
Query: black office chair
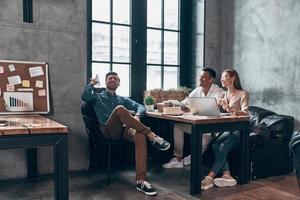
x=96, y=130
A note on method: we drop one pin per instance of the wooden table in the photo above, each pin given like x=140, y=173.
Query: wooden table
x=32, y=131
x=208, y=124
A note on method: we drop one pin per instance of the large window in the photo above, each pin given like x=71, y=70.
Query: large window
x=139, y=39
x=163, y=44
x=111, y=36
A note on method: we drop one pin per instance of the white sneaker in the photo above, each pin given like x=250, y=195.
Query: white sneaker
x=173, y=163
x=187, y=161
x=225, y=181
x=207, y=183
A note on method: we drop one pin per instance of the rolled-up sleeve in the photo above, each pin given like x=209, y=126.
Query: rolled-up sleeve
x=133, y=105
x=88, y=94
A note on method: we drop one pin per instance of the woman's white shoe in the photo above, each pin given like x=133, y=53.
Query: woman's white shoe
x=225, y=182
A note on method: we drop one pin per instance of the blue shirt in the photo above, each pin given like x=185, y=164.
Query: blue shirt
x=104, y=103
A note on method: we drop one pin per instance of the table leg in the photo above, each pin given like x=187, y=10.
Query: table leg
x=61, y=190
x=196, y=158
x=244, y=151
x=246, y=132
x=31, y=156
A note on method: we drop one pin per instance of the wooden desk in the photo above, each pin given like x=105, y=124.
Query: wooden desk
x=205, y=124
x=32, y=131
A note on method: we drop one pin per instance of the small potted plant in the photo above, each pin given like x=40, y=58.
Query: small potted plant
x=149, y=102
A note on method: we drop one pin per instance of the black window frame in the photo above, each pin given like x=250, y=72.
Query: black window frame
x=139, y=45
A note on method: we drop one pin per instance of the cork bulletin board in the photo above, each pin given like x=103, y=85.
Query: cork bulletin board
x=24, y=87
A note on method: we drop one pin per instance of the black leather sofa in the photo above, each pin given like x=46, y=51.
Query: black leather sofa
x=270, y=134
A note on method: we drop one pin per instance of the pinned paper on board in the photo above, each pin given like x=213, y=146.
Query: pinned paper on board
x=42, y=92
x=18, y=101
x=39, y=84
x=25, y=89
x=36, y=71
x=14, y=80
x=10, y=88
x=11, y=67
x=1, y=69
x=25, y=83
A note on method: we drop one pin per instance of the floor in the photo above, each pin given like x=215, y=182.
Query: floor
x=171, y=184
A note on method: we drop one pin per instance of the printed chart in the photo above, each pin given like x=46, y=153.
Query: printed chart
x=24, y=87
x=18, y=101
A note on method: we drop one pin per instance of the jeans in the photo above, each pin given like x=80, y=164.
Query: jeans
x=221, y=147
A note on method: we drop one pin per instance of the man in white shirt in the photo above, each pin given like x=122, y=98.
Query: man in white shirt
x=206, y=89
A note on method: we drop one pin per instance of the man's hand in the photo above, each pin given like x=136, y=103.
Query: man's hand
x=93, y=81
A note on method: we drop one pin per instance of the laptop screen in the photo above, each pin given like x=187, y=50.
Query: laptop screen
x=206, y=106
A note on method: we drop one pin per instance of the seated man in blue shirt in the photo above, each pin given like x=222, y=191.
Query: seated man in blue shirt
x=112, y=110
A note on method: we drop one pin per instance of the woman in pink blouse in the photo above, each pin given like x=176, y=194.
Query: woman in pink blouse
x=236, y=101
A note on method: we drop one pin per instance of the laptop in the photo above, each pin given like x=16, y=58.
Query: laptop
x=205, y=106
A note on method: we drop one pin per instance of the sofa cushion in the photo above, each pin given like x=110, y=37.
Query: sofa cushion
x=257, y=114
x=260, y=135
x=280, y=126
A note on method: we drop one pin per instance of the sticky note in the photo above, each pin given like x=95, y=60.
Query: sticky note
x=25, y=83
x=39, y=84
x=42, y=92
x=36, y=71
x=11, y=67
x=1, y=69
x=10, y=88
x=14, y=80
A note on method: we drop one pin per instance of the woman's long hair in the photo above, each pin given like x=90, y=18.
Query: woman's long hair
x=232, y=73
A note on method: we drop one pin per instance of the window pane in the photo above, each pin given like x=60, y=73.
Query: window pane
x=121, y=10
x=101, y=70
x=153, y=77
x=170, y=77
x=200, y=6
x=171, y=14
x=124, y=74
x=200, y=17
x=154, y=13
x=101, y=10
x=121, y=35
x=171, y=48
x=199, y=52
x=153, y=46
x=100, y=42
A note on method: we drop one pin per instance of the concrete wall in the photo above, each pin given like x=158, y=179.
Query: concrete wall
x=57, y=36
x=260, y=39
x=262, y=42
x=213, y=22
